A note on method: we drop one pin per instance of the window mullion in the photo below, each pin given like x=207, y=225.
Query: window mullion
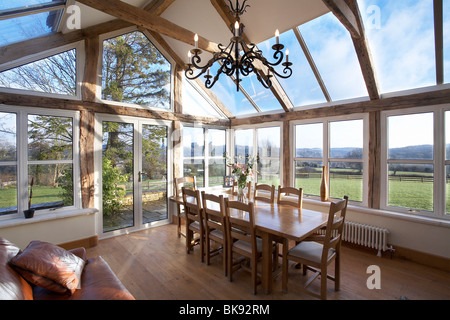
x=22, y=161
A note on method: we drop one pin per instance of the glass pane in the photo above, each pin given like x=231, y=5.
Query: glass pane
x=53, y=185
x=8, y=190
x=49, y=138
x=411, y=136
x=447, y=135
x=346, y=139
x=8, y=147
x=27, y=27
x=446, y=10
x=195, y=168
x=269, y=172
x=24, y=4
x=411, y=186
x=269, y=142
x=302, y=87
x=447, y=183
x=309, y=140
x=308, y=175
x=195, y=104
x=134, y=71
x=225, y=90
x=117, y=175
x=193, y=142
x=333, y=51
x=56, y=74
x=154, y=176
x=243, y=142
x=216, y=142
x=402, y=47
x=346, y=178
x=216, y=169
x=263, y=97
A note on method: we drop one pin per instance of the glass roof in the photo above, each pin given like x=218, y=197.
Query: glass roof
x=401, y=39
x=19, y=23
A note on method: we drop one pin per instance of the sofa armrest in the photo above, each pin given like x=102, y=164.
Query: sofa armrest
x=80, y=252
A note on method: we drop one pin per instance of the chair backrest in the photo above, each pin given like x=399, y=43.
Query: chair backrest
x=290, y=196
x=335, y=226
x=182, y=182
x=192, y=204
x=214, y=212
x=234, y=191
x=268, y=194
x=241, y=224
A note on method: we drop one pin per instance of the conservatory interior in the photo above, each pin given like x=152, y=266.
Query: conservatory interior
x=104, y=104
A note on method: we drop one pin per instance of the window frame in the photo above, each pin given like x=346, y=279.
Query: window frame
x=23, y=163
x=79, y=76
x=255, y=144
x=155, y=43
x=205, y=158
x=439, y=162
x=326, y=159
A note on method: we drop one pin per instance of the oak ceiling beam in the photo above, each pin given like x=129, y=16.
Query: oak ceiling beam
x=276, y=88
x=150, y=21
x=345, y=14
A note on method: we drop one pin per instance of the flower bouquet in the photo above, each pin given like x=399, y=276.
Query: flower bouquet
x=243, y=171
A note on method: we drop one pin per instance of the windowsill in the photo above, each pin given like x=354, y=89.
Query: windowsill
x=47, y=217
x=386, y=213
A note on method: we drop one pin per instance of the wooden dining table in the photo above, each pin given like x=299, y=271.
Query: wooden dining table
x=275, y=222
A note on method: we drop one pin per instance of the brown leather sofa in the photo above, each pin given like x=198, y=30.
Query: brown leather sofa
x=97, y=280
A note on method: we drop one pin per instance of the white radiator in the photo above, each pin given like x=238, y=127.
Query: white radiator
x=364, y=235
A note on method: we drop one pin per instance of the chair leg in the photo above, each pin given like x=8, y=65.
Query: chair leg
x=230, y=263
x=337, y=272
x=323, y=284
x=285, y=269
x=254, y=275
x=207, y=251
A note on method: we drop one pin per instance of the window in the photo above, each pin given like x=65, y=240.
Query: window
x=194, y=102
x=264, y=142
x=55, y=75
x=416, y=161
x=447, y=160
x=135, y=72
x=337, y=144
x=204, y=146
x=39, y=147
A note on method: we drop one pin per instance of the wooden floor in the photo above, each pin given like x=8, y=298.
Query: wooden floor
x=153, y=265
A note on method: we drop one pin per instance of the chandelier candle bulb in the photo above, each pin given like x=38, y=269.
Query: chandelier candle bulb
x=189, y=57
x=196, y=41
x=287, y=55
x=236, y=29
x=277, y=35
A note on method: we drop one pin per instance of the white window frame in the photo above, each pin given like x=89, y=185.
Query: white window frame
x=326, y=148
x=22, y=161
x=255, y=143
x=80, y=62
x=155, y=43
x=438, y=161
x=205, y=158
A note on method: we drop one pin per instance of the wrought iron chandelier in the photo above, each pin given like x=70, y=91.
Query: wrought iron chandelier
x=239, y=59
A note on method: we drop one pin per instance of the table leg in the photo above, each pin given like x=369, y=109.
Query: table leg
x=266, y=262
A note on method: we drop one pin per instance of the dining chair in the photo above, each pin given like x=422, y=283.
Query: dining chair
x=290, y=196
x=242, y=238
x=215, y=227
x=194, y=220
x=234, y=190
x=180, y=183
x=267, y=194
x=318, y=251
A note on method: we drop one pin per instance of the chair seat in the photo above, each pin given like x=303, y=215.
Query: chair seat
x=217, y=233
x=311, y=251
x=195, y=226
x=247, y=247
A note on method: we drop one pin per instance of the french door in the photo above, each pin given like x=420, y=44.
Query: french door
x=134, y=173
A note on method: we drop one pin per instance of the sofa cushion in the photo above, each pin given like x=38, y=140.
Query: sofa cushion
x=12, y=285
x=49, y=266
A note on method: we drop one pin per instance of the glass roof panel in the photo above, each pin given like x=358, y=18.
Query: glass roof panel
x=263, y=97
x=401, y=39
x=333, y=51
x=194, y=103
x=20, y=5
x=28, y=27
x=446, y=10
x=302, y=87
x=225, y=90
